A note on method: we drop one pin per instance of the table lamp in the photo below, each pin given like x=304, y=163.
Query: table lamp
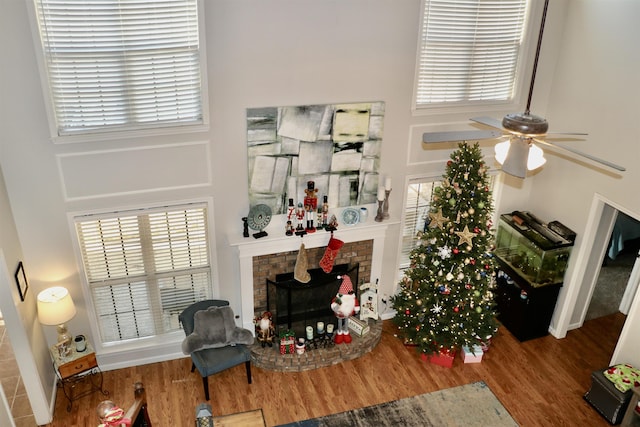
x=55, y=307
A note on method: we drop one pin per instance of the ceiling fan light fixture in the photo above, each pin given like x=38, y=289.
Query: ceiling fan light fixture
x=536, y=157
x=502, y=149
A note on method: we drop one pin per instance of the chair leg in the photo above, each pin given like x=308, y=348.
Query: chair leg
x=205, y=383
x=247, y=364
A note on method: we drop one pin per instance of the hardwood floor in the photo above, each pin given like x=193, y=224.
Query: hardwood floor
x=540, y=382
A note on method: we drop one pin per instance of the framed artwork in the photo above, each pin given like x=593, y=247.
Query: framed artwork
x=335, y=147
x=21, y=281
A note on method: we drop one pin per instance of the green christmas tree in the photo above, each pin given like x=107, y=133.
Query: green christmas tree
x=445, y=299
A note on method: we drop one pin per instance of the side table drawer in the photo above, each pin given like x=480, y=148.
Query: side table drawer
x=77, y=366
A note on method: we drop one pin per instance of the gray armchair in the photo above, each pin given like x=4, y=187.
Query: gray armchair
x=213, y=340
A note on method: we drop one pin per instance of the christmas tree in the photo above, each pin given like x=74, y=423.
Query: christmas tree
x=445, y=299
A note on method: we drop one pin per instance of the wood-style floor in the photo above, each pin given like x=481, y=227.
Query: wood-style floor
x=540, y=382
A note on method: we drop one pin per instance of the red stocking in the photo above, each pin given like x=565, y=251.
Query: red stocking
x=330, y=254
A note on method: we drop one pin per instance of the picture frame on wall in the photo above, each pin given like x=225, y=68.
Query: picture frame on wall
x=21, y=281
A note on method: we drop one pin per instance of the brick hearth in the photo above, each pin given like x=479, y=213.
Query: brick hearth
x=269, y=358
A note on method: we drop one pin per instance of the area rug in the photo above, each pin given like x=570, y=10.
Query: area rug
x=468, y=405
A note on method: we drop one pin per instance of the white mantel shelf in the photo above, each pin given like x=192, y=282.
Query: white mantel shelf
x=276, y=242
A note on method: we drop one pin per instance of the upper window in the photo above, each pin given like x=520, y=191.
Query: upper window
x=469, y=52
x=142, y=268
x=121, y=65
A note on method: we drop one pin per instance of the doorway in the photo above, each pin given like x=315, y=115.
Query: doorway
x=616, y=285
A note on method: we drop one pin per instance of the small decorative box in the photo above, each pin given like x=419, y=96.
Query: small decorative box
x=471, y=354
x=359, y=327
x=287, y=342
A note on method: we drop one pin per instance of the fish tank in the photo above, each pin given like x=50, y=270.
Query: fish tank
x=537, y=251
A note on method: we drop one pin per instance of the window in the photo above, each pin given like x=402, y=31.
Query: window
x=143, y=268
x=469, y=51
x=121, y=65
x=416, y=215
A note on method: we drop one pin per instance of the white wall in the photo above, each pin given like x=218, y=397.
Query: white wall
x=595, y=90
x=292, y=52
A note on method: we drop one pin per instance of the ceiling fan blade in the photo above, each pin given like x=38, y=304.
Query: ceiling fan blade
x=567, y=133
x=580, y=153
x=467, y=135
x=489, y=121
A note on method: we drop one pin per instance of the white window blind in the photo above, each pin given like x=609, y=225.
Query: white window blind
x=121, y=65
x=416, y=216
x=469, y=51
x=144, y=268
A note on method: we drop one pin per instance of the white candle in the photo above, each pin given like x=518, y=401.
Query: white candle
x=387, y=184
x=320, y=327
x=380, y=194
x=309, y=333
x=330, y=328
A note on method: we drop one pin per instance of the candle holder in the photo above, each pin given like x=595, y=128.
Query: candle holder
x=385, y=210
x=380, y=216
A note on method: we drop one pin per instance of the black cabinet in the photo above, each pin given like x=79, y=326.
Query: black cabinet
x=523, y=309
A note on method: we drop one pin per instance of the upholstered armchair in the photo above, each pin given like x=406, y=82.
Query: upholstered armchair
x=213, y=340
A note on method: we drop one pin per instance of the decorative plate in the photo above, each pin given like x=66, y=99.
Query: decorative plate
x=350, y=216
x=259, y=217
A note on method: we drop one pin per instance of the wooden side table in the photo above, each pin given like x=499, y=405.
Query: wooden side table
x=76, y=369
x=632, y=416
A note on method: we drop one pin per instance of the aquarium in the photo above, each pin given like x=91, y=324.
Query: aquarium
x=537, y=251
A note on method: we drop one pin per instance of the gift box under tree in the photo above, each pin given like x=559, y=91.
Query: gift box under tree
x=287, y=342
x=471, y=354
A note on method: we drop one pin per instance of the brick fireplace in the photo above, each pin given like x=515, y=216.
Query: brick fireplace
x=268, y=266
x=265, y=257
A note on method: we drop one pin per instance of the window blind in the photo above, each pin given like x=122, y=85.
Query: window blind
x=469, y=51
x=144, y=268
x=121, y=65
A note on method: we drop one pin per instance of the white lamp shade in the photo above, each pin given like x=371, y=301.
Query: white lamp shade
x=536, y=158
x=55, y=306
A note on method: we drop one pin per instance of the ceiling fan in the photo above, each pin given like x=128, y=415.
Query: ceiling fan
x=518, y=154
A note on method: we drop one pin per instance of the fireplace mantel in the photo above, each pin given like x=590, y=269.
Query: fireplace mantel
x=277, y=241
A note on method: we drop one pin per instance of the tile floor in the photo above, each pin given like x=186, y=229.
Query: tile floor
x=12, y=383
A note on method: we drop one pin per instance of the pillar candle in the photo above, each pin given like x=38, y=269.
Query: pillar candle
x=387, y=184
x=309, y=333
x=330, y=328
x=320, y=327
x=380, y=193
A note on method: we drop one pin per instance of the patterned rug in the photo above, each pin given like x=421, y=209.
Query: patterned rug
x=468, y=405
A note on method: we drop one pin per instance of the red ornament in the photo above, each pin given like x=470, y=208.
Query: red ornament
x=467, y=286
x=487, y=266
x=456, y=309
x=476, y=230
x=456, y=251
x=449, y=163
x=407, y=312
x=473, y=262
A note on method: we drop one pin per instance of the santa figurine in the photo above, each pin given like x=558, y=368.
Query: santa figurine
x=344, y=305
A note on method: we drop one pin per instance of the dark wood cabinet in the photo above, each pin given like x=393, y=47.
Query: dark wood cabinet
x=523, y=309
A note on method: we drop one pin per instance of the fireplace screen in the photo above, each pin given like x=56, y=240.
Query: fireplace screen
x=295, y=305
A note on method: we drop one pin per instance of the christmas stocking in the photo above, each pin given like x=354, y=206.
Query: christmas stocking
x=300, y=272
x=330, y=254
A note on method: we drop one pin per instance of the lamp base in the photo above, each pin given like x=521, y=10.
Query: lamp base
x=63, y=334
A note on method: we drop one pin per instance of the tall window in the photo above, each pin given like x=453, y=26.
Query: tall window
x=469, y=51
x=121, y=65
x=143, y=268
